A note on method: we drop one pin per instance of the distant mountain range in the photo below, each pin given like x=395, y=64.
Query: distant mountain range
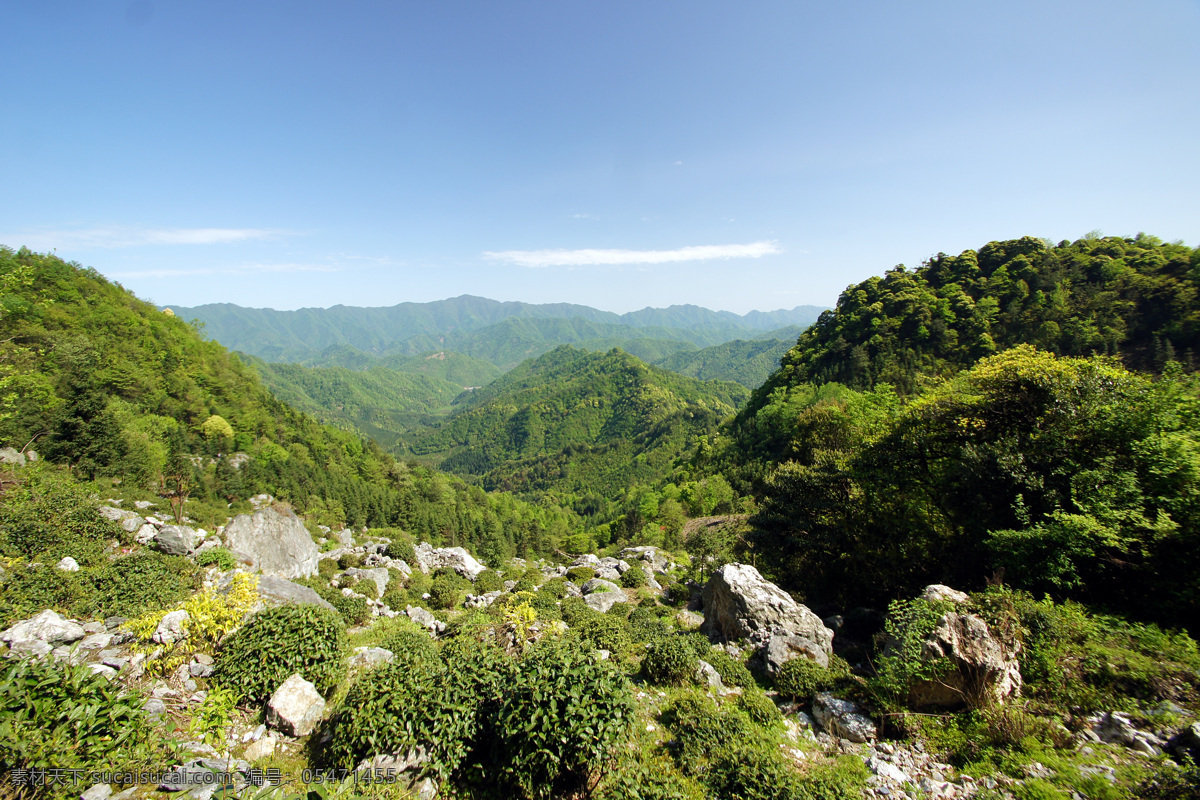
x=501, y=333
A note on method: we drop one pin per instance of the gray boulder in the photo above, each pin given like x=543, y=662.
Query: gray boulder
x=296, y=707
x=739, y=603
x=978, y=668
x=842, y=719
x=175, y=540
x=45, y=627
x=430, y=558
x=275, y=542
x=9, y=455
x=652, y=557
x=599, y=585
x=784, y=647
x=603, y=601
x=280, y=590
x=68, y=564
x=126, y=519
x=940, y=593
x=172, y=628
x=426, y=620
x=371, y=657
x=379, y=576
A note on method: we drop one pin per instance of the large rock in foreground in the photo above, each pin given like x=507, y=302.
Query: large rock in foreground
x=739, y=603
x=276, y=542
x=979, y=669
x=430, y=558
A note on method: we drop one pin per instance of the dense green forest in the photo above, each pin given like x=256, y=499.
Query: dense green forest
x=469, y=325
x=92, y=377
x=886, y=455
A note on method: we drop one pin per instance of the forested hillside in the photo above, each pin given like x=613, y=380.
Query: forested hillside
x=457, y=323
x=92, y=377
x=578, y=422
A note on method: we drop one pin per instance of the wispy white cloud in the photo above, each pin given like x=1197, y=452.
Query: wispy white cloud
x=106, y=236
x=244, y=269
x=579, y=258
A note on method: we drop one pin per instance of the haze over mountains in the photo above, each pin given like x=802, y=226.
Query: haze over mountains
x=501, y=333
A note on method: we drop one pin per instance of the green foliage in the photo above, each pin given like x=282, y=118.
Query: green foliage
x=219, y=556
x=801, y=678
x=48, y=512
x=327, y=568
x=760, y=708
x=733, y=672
x=1171, y=782
x=702, y=731
x=352, y=610
x=645, y=625
x=214, y=717
x=641, y=775
x=488, y=581
x=216, y=427
x=278, y=642
x=555, y=587
x=398, y=707
x=448, y=590
x=604, y=632
x=634, y=577
x=559, y=723
x=581, y=575
x=671, y=660
x=60, y=716
x=411, y=643
x=401, y=548
x=900, y=662
x=350, y=561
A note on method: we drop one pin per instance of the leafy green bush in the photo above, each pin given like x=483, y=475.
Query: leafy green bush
x=634, y=577
x=562, y=717
x=419, y=583
x=401, y=549
x=699, y=643
x=900, y=664
x=733, y=671
x=62, y=716
x=397, y=599
x=448, y=590
x=278, y=642
x=28, y=590
x=555, y=587
x=353, y=610
x=759, y=708
x=488, y=581
x=350, y=561
x=581, y=575
x=409, y=644
x=220, y=556
x=399, y=707
x=801, y=678
x=327, y=568
x=47, y=511
x=701, y=730
x=670, y=661
x=575, y=610
x=604, y=633
x=545, y=605
x=643, y=775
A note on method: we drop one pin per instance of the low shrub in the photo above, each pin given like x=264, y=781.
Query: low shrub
x=702, y=731
x=555, y=587
x=581, y=575
x=634, y=577
x=488, y=581
x=48, y=512
x=411, y=643
x=400, y=707
x=401, y=549
x=801, y=678
x=575, y=610
x=278, y=642
x=733, y=671
x=645, y=775
x=603, y=633
x=327, y=568
x=350, y=560
x=562, y=717
x=397, y=599
x=219, y=556
x=448, y=590
x=670, y=661
x=62, y=716
x=759, y=708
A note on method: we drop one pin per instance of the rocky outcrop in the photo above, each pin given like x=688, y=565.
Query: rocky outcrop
x=128, y=520
x=739, y=603
x=296, y=707
x=274, y=541
x=600, y=585
x=603, y=601
x=784, y=647
x=430, y=558
x=280, y=590
x=842, y=719
x=175, y=540
x=47, y=627
x=978, y=669
x=378, y=576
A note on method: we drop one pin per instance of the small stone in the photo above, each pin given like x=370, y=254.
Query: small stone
x=260, y=749
x=154, y=707
x=98, y=791
x=295, y=707
x=171, y=628
x=69, y=564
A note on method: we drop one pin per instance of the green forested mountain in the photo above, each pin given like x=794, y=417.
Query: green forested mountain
x=1108, y=295
x=748, y=363
x=94, y=378
x=381, y=403
x=413, y=328
x=578, y=421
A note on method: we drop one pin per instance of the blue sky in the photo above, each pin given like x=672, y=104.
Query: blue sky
x=748, y=155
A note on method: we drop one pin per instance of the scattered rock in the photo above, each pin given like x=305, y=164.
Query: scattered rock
x=295, y=707
x=423, y=618
x=936, y=592
x=275, y=542
x=45, y=627
x=280, y=591
x=603, y=601
x=98, y=791
x=739, y=603
x=379, y=576
x=982, y=670
x=176, y=540
x=128, y=520
x=707, y=675
x=783, y=647
x=842, y=719
x=260, y=749
x=430, y=558
x=69, y=564
x=154, y=707
x=171, y=628
x=371, y=656
x=599, y=585
x=652, y=556
x=9, y=455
